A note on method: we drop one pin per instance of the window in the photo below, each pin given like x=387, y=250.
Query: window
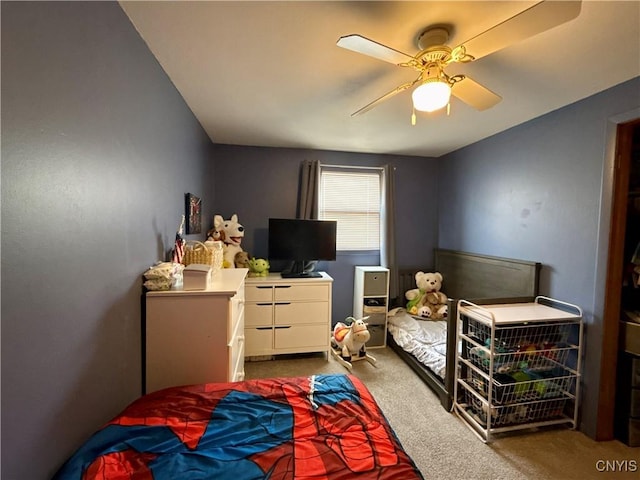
x=353, y=197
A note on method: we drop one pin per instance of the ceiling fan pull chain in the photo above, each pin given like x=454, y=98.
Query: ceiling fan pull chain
x=413, y=117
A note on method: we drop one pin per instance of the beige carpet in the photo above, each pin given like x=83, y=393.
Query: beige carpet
x=444, y=448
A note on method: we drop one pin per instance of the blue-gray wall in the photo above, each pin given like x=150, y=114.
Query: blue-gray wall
x=258, y=183
x=534, y=192
x=98, y=150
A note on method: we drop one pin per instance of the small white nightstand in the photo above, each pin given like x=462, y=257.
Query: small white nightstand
x=371, y=299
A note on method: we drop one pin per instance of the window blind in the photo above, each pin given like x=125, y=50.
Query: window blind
x=353, y=198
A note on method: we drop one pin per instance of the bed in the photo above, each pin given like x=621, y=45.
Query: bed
x=322, y=426
x=429, y=347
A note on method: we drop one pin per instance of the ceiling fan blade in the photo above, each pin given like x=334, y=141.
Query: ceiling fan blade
x=474, y=94
x=384, y=97
x=536, y=19
x=360, y=44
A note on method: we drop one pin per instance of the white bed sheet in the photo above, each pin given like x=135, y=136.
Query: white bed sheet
x=424, y=339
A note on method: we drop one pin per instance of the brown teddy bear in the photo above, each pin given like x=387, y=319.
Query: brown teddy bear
x=241, y=259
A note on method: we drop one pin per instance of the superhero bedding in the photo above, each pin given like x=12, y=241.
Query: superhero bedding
x=318, y=427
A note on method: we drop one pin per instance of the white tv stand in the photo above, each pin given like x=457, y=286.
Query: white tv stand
x=287, y=315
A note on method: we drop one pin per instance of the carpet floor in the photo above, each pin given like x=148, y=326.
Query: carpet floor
x=444, y=448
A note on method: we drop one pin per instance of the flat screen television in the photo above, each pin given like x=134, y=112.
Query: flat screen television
x=303, y=243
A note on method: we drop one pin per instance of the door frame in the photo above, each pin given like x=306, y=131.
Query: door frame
x=614, y=199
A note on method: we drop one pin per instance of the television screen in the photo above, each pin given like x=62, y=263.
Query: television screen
x=301, y=242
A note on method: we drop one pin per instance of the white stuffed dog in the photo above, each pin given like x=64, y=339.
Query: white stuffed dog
x=231, y=233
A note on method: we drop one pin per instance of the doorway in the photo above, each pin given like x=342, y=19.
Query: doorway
x=625, y=189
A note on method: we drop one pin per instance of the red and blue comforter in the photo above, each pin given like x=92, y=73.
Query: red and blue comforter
x=319, y=427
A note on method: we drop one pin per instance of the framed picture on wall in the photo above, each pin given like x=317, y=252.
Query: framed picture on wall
x=193, y=206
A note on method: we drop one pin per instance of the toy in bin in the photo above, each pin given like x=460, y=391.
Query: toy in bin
x=348, y=342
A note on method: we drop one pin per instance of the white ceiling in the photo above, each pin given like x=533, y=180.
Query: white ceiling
x=270, y=74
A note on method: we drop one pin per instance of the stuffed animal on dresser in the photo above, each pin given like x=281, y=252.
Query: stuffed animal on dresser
x=241, y=260
x=427, y=301
x=258, y=267
x=231, y=233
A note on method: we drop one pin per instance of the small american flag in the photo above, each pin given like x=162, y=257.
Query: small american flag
x=178, y=247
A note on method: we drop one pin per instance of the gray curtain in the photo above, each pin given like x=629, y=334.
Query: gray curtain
x=308, y=196
x=388, y=247
x=308, y=193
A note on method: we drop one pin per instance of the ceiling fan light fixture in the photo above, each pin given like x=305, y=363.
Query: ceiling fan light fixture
x=432, y=95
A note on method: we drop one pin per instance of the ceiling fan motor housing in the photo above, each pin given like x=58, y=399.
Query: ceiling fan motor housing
x=433, y=36
x=431, y=43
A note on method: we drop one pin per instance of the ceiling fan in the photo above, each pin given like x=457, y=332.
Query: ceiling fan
x=434, y=85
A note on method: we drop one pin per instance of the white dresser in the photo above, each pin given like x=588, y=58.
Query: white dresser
x=195, y=336
x=291, y=315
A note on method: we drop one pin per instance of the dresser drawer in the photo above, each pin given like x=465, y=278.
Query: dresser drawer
x=302, y=337
x=376, y=319
x=259, y=341
x=301, y=292
x=258, y=293
x=375, y=284
x=378, y=336
x=258, y=314
x=297, y=313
